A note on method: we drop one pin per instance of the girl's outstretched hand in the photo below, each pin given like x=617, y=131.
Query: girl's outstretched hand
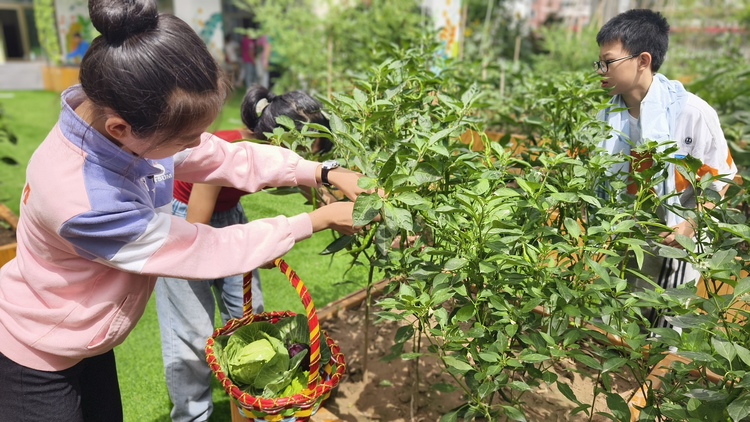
x=346, y=181
x=336, y=216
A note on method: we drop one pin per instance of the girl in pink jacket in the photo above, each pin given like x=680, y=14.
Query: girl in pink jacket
x=96, y=229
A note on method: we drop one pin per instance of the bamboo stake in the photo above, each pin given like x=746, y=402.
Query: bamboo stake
x=485, y=37
x=462, y=42
x=330, y=67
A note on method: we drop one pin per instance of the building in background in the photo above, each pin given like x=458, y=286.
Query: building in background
x=21, y=55
x=572, y=13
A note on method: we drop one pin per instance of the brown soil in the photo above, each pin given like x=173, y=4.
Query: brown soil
x=387, y=394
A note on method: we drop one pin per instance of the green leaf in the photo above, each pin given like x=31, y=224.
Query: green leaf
x=566, y=197
x=523, y=184
x=739, y=408
x=470, y=95
x=286, y=122
x=588, y=361
x=670, y=252
x=573, y=228
x=489, y=357
x=687, y=243
x=598, y=269
x=439, y=149
x=410, y=199
x=406, y=290
x=465, y=313
x=618, y=407
x=366, y=208
x=698, y=356
x=450, y=417
x=533, y=358
x=722, y=257
x=591, y=200
x=514, y=414
x=360, y=98
x=440, y=135
x=567, y=392
x=411, y=356
x=520, y=386
x=703, y=394
x=743, y=287
x=398, y=218
x=404, y=334
x=454, y=264
x=337, y=245
x=367, y=183
x=724, y=348
x=443, y=387
x=613, y=364
x=743, y=353
x=460, y=365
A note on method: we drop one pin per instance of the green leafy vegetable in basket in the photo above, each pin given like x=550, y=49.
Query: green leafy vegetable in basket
x=269, y=360
x=255, y=350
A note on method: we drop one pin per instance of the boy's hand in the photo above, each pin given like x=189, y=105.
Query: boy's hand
x=686, y=228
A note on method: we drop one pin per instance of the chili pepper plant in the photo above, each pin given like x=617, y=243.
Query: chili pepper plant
x=507, y=261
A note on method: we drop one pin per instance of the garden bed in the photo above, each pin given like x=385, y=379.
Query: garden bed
x=388, y=393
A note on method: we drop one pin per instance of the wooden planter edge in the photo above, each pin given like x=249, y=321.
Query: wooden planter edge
x=7, y=252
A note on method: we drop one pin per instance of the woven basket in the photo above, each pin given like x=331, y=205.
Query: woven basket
x=323, y=377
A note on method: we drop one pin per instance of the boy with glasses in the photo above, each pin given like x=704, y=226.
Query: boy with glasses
x=646, y=105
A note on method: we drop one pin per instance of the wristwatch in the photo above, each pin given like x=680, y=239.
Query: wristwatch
x=325, y=168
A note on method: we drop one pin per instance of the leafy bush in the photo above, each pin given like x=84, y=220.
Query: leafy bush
x=725, y=84
x=520, y=257
x=319, y=52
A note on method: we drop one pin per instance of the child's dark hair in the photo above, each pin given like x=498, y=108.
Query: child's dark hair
x=639, y=31
x=151, y=69
x=260, y=108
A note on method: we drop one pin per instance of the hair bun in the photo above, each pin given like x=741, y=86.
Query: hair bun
x=117, y=20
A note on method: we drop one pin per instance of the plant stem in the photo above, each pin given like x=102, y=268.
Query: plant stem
x=593, y=399
x=368, y=303
x=416, y=347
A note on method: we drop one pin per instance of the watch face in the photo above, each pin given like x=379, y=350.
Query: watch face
x=331, y=164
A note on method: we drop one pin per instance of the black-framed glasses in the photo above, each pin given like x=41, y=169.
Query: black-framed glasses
x=603, y=65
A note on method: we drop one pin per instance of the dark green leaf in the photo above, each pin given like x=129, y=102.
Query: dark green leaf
x=461, y=365
x=618, y=407
x=337, y=245
x=366, y=208
x=739, y=408
x=514, y=414
x=567, y=392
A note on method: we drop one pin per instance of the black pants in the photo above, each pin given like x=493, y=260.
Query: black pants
x=86, y=392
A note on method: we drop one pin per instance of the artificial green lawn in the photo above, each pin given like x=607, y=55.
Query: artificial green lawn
x=32, y=114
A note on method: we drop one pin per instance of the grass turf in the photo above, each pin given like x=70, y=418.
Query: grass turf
x=31, y=115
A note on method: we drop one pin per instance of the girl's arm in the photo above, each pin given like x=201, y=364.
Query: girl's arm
x=202, y=203
x=243, y=165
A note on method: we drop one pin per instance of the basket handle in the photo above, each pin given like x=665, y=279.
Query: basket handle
x=307, y=302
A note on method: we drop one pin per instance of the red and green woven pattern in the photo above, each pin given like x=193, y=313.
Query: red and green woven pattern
x=321, y=381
